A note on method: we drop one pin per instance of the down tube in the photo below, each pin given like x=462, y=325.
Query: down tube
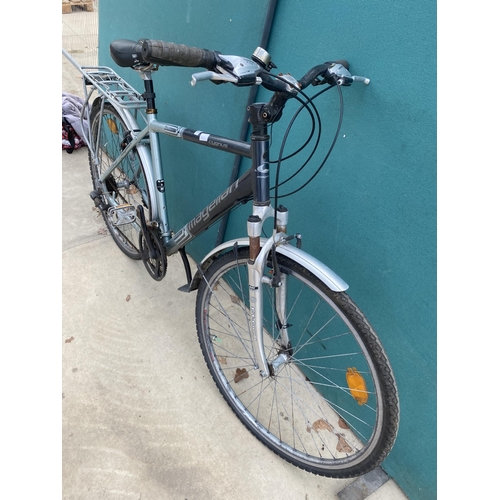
x=238, y=192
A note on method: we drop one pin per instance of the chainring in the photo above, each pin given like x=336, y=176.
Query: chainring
x=156, y=265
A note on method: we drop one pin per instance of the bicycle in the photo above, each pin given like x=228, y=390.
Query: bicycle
x=290, y=352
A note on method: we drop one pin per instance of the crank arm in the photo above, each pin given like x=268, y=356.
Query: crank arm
x=145, y=233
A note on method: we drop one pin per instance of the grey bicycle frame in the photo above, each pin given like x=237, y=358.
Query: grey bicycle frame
x=239, y=191
x=253, y=184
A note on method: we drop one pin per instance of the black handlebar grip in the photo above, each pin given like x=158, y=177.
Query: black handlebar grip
x=173, y=54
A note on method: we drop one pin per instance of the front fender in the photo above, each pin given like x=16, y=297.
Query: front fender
x=326, y=275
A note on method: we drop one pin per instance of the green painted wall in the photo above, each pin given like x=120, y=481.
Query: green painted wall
x=371, y=214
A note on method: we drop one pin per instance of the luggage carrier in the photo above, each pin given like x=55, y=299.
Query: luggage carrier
x=115, y=89
x=110, y=84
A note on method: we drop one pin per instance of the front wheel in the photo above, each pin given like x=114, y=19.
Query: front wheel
x=332, y=406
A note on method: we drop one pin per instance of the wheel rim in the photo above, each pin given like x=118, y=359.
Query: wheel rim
x=307, y=412
x=125, y=186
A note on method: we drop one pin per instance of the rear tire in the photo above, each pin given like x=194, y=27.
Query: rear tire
x=126, y=184
x=305, y=412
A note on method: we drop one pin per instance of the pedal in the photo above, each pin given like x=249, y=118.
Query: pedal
x=122, y=214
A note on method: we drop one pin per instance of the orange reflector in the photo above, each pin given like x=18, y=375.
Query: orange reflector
x=112, y=126
x=357, y=386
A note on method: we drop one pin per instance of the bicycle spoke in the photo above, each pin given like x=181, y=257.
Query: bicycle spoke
x=306, y=409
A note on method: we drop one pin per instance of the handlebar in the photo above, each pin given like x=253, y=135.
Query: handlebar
x=313, y=74
x=173, y=54
x=227, y=68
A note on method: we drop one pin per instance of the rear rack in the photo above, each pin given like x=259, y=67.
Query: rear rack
x=109, y=84
x=115, y=88
x=105, y=82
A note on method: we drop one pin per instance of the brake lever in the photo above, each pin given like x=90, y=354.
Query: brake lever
x=213, y=76
x=341, y=76
x=361, y=79
x=233, y=69
x=346, y=81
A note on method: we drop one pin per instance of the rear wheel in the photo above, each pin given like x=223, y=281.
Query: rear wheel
x=331, y=405
x=125, y=187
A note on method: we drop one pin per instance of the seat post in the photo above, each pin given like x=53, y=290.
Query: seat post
x=149, y=95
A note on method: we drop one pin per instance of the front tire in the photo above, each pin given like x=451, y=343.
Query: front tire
x=307, y=412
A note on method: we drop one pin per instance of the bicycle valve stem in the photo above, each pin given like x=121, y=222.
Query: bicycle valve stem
x=254, y=228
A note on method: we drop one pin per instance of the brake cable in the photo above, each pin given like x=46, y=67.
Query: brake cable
x=280, y=156
x=308, y=140
x=314, y=150
x=341, y=112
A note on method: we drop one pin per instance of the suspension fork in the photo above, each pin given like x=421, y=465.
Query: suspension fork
x=281, y=280
x=257, y=277
x=259, y=117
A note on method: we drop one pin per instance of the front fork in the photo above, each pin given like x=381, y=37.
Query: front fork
x=257, y=277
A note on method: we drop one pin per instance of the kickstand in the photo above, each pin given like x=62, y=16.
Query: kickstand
x=187, y=268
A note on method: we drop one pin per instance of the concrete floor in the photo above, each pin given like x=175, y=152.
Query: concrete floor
x=141, y=417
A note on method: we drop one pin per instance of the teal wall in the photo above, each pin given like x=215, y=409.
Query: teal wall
x=371, y=214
